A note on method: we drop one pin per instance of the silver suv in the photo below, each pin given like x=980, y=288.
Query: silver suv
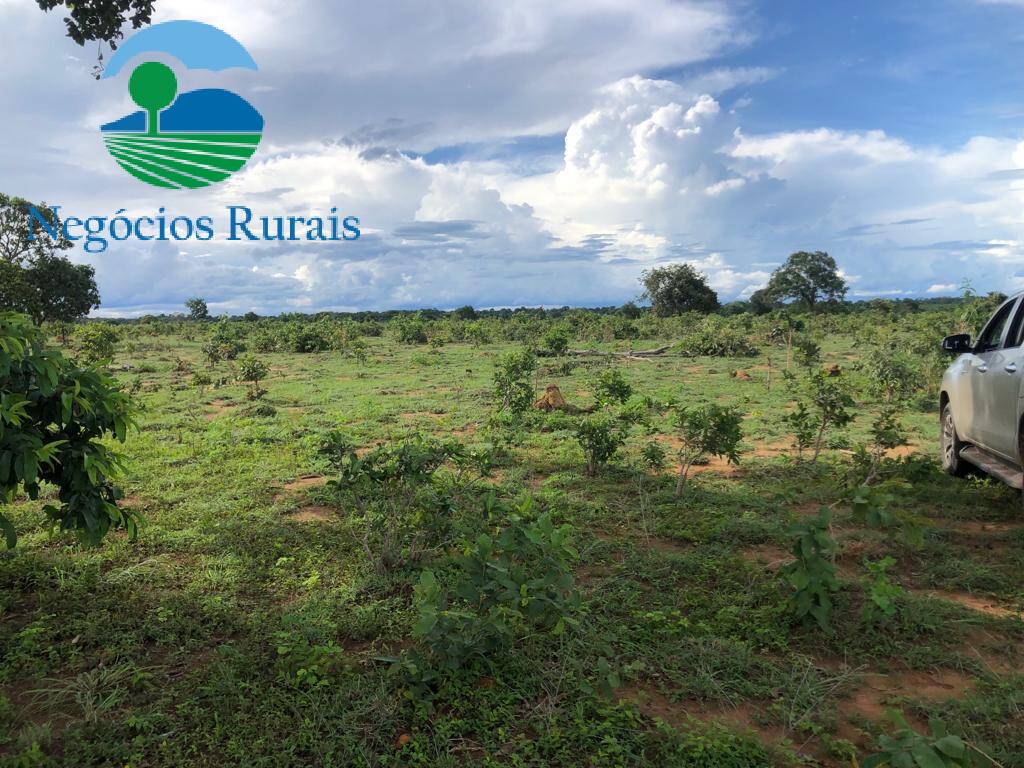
x=982, y=401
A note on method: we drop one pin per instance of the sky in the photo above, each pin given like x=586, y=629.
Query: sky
x=530, y=153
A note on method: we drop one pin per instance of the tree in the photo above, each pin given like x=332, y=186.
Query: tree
x=20, y=241
x=101, y=20
x=34, y=278
x=53, y=415
x=59, y=290
x=807, y=277
x=197, y=309
x=678, y=288
x=714, y=429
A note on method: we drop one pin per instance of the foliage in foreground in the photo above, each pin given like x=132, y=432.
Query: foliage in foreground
x=53, y=413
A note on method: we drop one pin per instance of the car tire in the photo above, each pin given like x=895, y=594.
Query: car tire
x=950, y=445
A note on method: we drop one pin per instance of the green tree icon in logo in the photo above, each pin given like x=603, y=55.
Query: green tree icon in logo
x=153, y=86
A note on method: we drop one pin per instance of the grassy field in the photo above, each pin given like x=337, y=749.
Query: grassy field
x=246, y=625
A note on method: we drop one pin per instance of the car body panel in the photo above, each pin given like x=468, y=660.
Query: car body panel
x=983, y=386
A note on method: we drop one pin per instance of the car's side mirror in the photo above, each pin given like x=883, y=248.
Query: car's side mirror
x=957, y=344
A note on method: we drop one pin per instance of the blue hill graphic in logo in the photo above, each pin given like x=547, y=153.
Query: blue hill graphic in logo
x=186, y=140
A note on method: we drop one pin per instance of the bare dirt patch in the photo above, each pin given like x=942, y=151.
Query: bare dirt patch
x=657, y=706
x=770, y=556
x=314, y=514
x=879, y=691
x=218, y=406
x=979, y=603
x=986, y=527
x=669, y=546
x=304, y=482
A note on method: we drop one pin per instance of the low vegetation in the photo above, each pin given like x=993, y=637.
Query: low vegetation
x=370, y=540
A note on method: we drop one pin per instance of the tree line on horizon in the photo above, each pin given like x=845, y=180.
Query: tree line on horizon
x=37, y=280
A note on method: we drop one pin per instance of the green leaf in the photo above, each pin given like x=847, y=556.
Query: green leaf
x=926, y=757
x=10, y=535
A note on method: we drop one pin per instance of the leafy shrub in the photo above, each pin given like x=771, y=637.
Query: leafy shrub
x=830, y=402
x=812, y=575
x=513, y=380
x=53, y=415
x=710, y=429
x=556, y=340
x=403, y=509
x=307, y=337
x=95, y=342
x=476, y=333
x=201, y=380
x=600, y=436
x=252, y=370
x=875, y=506
x=333, y=446
x=717, y=337
x=224, y=343
x=653, y=456
x=892, y=376
x=263, y=340
x=804, y=427
x=611, y=387
x=940, y=749
x=409, y=330
x=886, y=433
x=303, y=661
x=505, y=584
x=882, y=594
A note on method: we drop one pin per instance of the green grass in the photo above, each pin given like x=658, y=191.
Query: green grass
x=165, y=651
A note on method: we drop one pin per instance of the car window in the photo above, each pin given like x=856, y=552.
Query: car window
x=992, y=336
x=1015, y=337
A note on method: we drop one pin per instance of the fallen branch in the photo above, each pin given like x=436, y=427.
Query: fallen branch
x=640, y=354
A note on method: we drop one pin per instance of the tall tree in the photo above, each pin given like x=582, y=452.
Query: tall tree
x=678, y=288
x=34, y=278
x=807, y=277
x=197, y=309
x=20, y=242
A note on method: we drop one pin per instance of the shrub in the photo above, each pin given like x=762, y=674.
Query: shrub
x=252, y=370
x=711, y=429
x=263, y=340
x=831, y=401
x=556, y=340
x=53, y=415
x=653, y=456
x=804, y=427
x=717, y=337
x=225, y=343
x=513, y=380
x=404, y=511
x=812, y=576
x=408, y=330
x=505, y=584
x=882, y=594
x=95, y=342
x=610, y=387
x=892, y=377
x=201, y=380
x=940, y=749
x=600, y=436
x=307, y=337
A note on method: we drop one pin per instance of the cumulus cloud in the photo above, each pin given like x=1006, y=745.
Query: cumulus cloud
x=507, y=155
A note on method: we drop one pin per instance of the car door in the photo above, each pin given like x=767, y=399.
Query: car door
x=994, y=383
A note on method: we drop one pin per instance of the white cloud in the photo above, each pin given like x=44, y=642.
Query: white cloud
x=653, y=171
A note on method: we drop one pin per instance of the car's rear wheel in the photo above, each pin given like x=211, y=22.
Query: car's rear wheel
x=951, y=445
